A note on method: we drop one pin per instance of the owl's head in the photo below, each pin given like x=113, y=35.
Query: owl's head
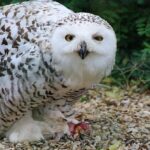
x=83, y=47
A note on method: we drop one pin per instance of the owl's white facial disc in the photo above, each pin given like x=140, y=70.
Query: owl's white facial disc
x=84, y=52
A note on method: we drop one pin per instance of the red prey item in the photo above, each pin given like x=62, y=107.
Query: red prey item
x=77, y=129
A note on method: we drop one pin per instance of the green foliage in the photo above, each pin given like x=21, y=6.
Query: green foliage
x=131, y=22
x=5, y=2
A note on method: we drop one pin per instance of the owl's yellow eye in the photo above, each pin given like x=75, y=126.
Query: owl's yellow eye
x=69, y=37
x=98, y=38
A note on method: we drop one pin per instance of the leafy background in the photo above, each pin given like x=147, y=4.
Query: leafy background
x=131, y=22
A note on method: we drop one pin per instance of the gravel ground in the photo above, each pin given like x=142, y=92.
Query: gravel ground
x=120, y=120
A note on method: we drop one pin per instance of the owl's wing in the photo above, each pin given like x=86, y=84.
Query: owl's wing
x=19, y=25
x=39, y=11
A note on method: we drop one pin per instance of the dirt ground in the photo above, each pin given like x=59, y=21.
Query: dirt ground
x=120, y=120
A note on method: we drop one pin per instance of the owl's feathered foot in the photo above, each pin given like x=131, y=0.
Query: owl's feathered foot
x=27, y=129
x=24, y=131
x=74, y=127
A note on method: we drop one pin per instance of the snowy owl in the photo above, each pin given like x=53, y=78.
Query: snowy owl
x=49, y=56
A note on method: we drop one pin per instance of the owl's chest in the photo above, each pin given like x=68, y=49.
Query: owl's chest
x=63, y=103
x=55, y=95
x=67, y=95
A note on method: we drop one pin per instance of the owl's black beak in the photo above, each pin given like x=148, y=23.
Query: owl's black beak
x=83, y=52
